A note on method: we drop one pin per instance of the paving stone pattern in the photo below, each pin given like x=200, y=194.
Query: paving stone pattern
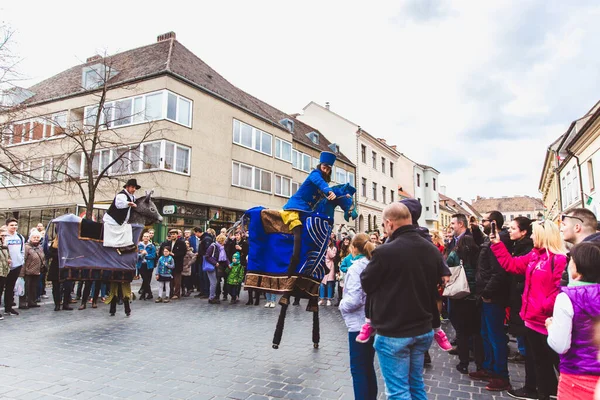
x=189, y=349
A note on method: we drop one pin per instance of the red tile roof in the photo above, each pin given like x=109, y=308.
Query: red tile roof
x=508, y=204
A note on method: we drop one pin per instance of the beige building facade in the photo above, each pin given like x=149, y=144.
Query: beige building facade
x=211, y=152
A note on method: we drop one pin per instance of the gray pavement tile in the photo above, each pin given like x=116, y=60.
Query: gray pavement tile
x=87, y=354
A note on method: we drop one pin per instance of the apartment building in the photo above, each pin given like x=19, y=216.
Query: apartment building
x=208, y=149
x=383, y=174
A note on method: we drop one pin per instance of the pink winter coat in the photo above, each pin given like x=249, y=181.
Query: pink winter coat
x=542, y=282
x=329, y=262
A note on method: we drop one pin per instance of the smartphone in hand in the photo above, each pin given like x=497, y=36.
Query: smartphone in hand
x=493, y=232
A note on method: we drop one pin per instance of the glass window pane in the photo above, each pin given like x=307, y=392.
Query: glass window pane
x=278, y=184
x=285, y=186
x=265, y=181
x=122, y=112
x=153, y=109
x=121, y=166
x=257, y=139
x=169, y=155
x=266, y=143
x=104, y=160
x=306, y=162
x=278, y=144
x=183, y=157
x=172, y=106
x=256, y=178
x=295, y=159
x=138, y=109
x=236, y=131
x=184, y=112
x=96, y=164
x=286, y=151
x=246, y=135
x=246, y=176
x=90, y=117
x=235, y=174
x=151, y=155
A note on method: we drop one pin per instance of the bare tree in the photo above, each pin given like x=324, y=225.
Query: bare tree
x=76, y=160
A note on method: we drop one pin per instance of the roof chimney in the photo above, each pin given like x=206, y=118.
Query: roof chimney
x=393, y=146
x=382, y=140
x=165, y=36
x=95, y=57
x=327, y=105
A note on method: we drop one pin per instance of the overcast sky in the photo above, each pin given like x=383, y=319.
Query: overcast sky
x=476, y=89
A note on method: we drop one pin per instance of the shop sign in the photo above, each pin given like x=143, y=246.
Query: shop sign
x=169, y=210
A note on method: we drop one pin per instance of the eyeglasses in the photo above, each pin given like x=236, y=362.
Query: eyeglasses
x=484, y=220
x=565, y=216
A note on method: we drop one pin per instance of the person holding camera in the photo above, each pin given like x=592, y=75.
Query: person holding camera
x=543, y=267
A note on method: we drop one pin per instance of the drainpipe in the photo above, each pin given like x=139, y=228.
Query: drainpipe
x=580, y=178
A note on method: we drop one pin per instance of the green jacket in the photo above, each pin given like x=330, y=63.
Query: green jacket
x=235, y=274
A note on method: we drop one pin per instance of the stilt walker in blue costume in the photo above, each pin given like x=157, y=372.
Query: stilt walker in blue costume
x=314, y=188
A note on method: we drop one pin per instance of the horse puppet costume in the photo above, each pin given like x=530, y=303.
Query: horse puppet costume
x=271, y=245
x=82, y=255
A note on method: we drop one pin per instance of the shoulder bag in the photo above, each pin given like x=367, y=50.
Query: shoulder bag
x=458, y=286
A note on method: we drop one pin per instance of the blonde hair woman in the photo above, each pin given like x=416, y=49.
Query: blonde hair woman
x=352, y=308
x=543, y=267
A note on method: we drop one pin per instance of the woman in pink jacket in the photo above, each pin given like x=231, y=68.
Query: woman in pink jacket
x=328, y=282
x=543, y=267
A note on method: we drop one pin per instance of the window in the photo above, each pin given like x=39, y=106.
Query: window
x=512, y=217
x=374, y=157
x=151, y=156
x=282, y=185
x=434, y=186
x=250, y=177
x=374, y=191
x=350, y=178
x=569, y=192
x=391, y=169
x=139, y=109
x=296, y=159
x=313, y=136
x=295, y=186
x=364, y=187
x=434, y=206
x=391, y=196
x=251, y=137
x=340, y=175
x=182, y=160
x=383, y=166
x=383, y=194
x=590, y=168
x=315, y=162
x=306, y=160
x=363, y=153
x=283, y=150
x=418, y=180
x=575, y=183
x=94, y=76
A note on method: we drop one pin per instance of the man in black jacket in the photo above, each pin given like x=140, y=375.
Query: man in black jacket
x=493, y=288
x=401, y=285
x=177, y=250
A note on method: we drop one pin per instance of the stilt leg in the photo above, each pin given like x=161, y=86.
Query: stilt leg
x=280, y=324
x=316, y=335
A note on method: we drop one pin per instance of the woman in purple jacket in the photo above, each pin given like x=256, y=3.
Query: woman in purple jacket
x=352, y=308
x=570, y=329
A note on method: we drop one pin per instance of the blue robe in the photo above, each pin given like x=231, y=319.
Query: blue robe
x=313, y=189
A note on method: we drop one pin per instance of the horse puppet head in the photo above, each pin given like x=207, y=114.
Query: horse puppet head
x=344, y=199
x=146, y=212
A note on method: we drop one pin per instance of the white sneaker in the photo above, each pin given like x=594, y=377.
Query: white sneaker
x=272, y=304
x=267, y=304
x=1, y=317
x=329, y=302
x=321, y=302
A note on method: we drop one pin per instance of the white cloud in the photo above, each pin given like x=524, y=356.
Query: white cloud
x=477, y=89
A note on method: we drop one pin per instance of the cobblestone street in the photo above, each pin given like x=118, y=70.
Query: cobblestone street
x=189, y=349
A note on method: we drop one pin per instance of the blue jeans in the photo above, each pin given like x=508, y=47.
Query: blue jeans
x=330, y=286
x=362, y=356
x=495, y=342
x=401, y=361
x=272, y=297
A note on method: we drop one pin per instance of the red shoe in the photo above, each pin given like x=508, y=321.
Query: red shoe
x=498, y=385
x=442, y=340
x=481, y=375
x=365, y=333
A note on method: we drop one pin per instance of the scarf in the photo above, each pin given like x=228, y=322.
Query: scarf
x=222, y=254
